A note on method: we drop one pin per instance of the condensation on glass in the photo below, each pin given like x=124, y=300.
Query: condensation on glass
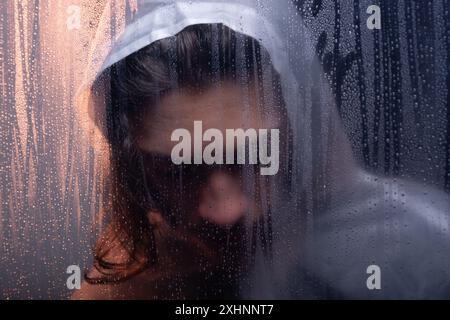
x=389, y=87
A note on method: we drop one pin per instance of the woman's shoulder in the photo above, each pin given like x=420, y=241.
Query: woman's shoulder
x=150, y=284
x=114, y=271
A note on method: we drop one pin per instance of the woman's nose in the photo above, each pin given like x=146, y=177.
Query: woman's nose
x=222, y=200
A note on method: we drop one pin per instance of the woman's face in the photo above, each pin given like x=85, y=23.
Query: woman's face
x=190, y=193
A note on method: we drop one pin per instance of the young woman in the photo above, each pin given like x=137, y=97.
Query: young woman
x=178, y=230
x=223, y=230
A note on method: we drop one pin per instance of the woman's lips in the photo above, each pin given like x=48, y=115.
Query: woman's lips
x=222, y=201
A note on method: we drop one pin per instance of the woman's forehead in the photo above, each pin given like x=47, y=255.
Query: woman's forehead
x=225, y=106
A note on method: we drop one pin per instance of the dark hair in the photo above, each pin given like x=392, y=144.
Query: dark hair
x=195, y=57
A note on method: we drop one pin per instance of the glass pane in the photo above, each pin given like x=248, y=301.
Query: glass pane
x=224, y=149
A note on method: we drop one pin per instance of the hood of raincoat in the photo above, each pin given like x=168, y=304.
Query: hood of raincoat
x=332, y=225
